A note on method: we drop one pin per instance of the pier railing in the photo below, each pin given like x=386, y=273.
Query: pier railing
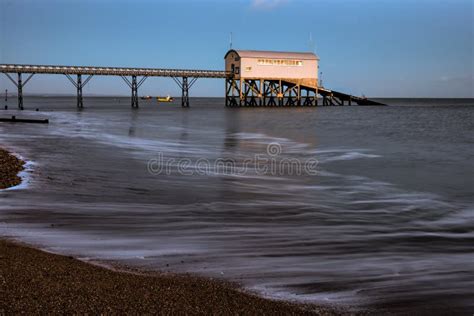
x=112, y=71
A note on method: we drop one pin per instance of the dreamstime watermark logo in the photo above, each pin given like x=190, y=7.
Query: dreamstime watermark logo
x=274, y=149
x=270, y=163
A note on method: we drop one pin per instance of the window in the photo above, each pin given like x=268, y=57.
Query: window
x=248, y=69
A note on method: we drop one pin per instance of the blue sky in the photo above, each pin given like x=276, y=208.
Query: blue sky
x=390, y=48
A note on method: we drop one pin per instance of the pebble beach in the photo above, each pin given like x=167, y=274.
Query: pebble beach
x=10, y=166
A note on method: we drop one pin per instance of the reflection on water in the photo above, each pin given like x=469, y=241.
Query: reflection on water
x=387, y=221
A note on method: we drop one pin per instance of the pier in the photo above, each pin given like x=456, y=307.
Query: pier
x=133, y=77
x=254, y=89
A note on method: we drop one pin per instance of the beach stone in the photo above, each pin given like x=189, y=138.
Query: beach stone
x=10, y=166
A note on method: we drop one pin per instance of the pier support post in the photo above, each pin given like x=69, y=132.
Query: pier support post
x=291, y=94
x=272, y=93
x=226, y=92
x=134, y=92
x=20, y=84
x=79, y=92
x=298, y=97
x=134, y=85
x=185, y=93
x=185, y=85
x=250, y=92
x=20, y=92
x=232, y=92
x=309, y=100
x=79, y=84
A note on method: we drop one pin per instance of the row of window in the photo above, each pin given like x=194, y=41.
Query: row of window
x=279, y=62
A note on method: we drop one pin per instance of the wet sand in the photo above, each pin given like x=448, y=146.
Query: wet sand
x=33, y=281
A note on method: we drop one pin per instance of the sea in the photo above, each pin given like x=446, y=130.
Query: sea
x=358, y=207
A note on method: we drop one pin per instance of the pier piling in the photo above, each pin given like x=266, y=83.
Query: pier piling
x=79, y=84
x=134, y=85
x=185, y=85
x=185, y=93
x=20, y=84
x=20, y=92
x=134, y=92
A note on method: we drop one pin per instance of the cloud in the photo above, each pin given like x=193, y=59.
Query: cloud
x=458, y=78
x=267, y=4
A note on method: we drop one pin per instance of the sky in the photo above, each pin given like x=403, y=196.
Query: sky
x=379, y=48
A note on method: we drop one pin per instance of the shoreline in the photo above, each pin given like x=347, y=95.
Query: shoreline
x=37, y=281
x=10, y=167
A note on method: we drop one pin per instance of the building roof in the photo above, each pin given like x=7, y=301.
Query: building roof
x=273, y=54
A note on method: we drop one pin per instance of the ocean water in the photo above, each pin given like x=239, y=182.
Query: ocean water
x=360, y=207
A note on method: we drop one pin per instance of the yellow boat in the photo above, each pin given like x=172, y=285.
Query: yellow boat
x=164, y=99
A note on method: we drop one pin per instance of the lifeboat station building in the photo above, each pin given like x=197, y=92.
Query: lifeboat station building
x=268, y=78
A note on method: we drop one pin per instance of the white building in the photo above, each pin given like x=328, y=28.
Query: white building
x=297, y=68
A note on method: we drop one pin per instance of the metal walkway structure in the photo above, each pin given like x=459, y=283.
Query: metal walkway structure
x=276, y=93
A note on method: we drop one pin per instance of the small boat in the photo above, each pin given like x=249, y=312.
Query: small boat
x=164, y=99
x=146, y=97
